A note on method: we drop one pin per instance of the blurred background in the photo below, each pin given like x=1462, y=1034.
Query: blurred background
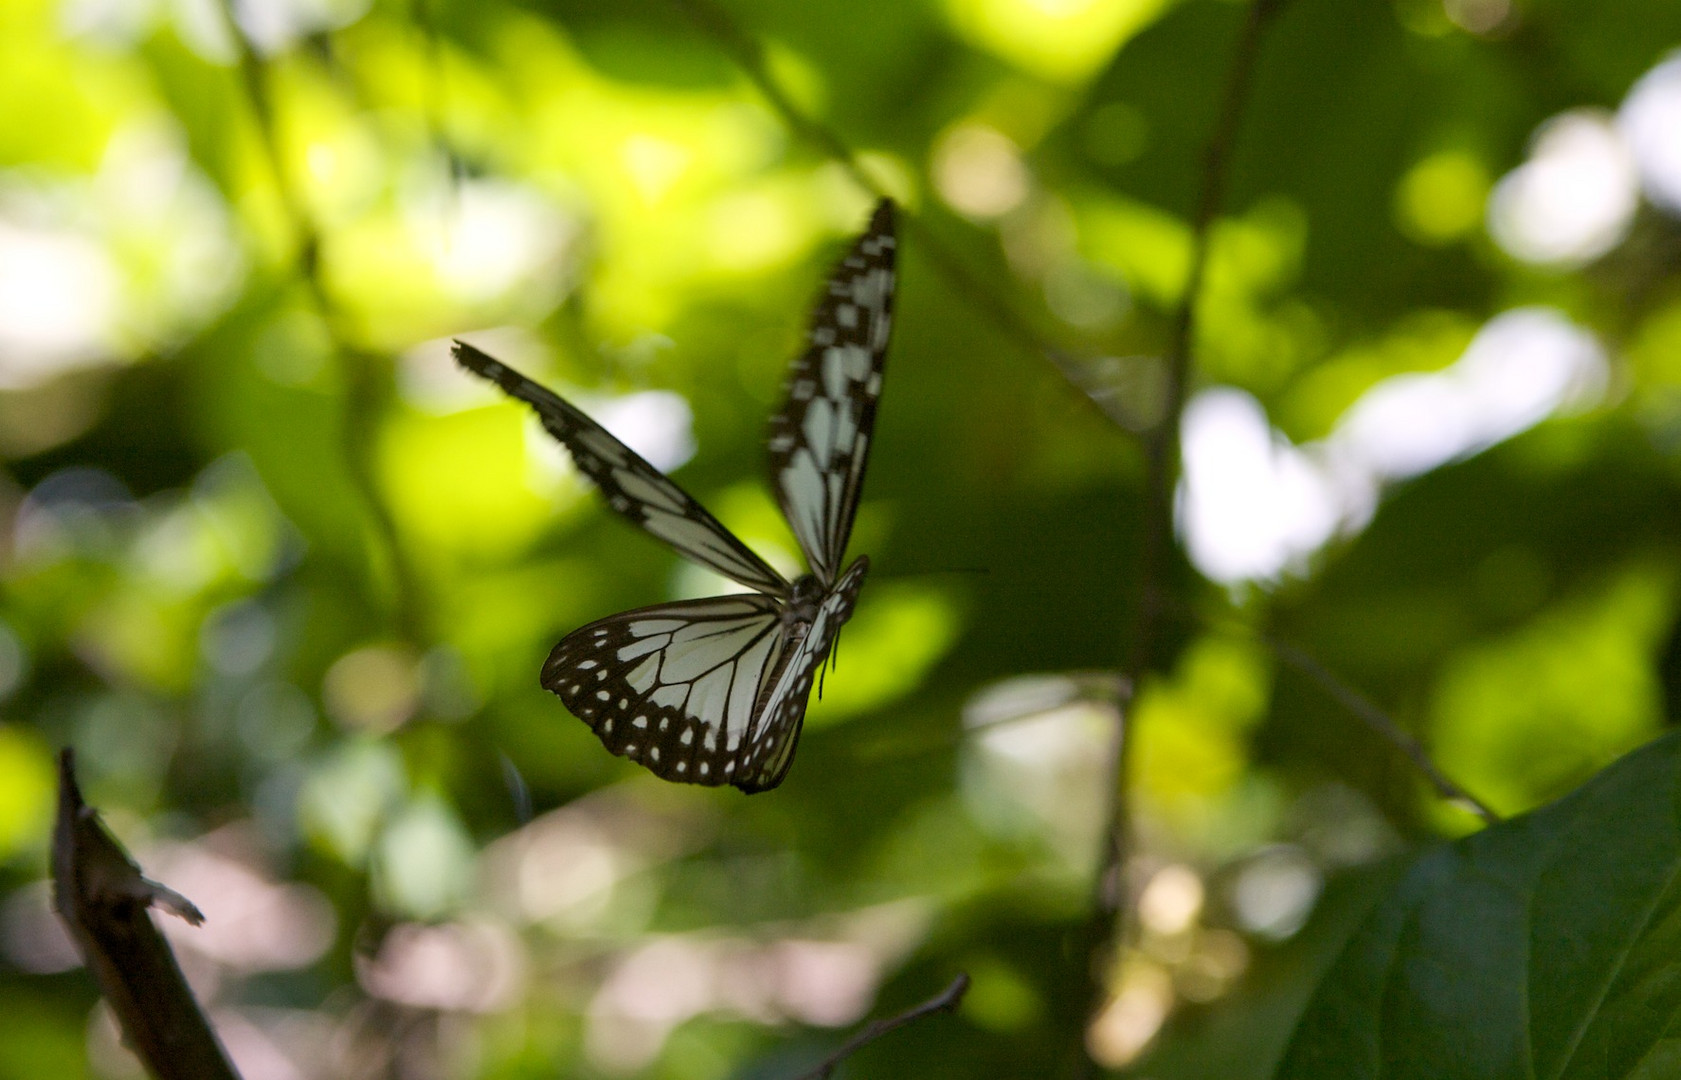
x=284, y=578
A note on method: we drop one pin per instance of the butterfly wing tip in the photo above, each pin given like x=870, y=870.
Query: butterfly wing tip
x=485, y=366
x=469, y=357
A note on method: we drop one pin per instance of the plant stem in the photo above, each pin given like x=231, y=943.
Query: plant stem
x=1109, y=926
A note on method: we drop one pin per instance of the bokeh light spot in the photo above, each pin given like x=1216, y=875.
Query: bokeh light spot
x=423, y=864
x=375, y=688
x=979, y=171
x=1573, y=200
x=26, y=790
x=1061, y=40
x=1251, y=504
x=1441, y=198
x=1275, y=891
x=1136, y=1009
x=1650, y=119
x=58, y=304
x=1172, y=900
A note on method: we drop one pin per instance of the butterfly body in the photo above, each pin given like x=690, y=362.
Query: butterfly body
x=714, y=691
x=804, y=596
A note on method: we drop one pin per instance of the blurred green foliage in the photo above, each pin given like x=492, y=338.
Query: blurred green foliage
x=285, y=578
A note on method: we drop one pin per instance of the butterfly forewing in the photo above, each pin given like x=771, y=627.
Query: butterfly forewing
x=633, y=487
x=770, y=750
x=715, y=691
x=820, y=440
x=674, y=686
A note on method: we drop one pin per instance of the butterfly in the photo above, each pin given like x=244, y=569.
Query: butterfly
x=714, y=691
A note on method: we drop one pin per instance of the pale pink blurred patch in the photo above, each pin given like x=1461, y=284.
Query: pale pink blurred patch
x=568, y=868
x=824, y=972
x=477, y=966
x=252, y=922
x=276, y=1044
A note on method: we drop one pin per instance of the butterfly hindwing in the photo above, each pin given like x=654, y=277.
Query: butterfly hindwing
x=781, y=713
x=820, y=439
x=633, y=487
x=715, y=691
x=675, y=687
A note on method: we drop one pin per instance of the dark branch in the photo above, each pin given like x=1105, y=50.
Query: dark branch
x=1161, y=451
x=748, y=56
x=946, y=1000
x=102, y=899
x=1385, y=726
x=364, y=382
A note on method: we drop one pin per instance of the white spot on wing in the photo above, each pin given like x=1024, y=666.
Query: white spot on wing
x=857, y=363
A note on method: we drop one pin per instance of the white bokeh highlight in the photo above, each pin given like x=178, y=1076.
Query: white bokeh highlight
x=1523, y=366
x=1650, y=122
x=488, y=238
x=1251, y=504
x=59, y=302
x=1252, y=507
x=658, y=424
x=1574, y=199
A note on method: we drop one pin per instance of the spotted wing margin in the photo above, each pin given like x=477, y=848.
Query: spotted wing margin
x=674, y=687
x=820, y=439
x=633, y=487
x=781, y=713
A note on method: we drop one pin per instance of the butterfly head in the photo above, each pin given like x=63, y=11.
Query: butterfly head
x=804, y=598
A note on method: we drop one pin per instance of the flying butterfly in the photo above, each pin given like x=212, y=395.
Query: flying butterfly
x=714, y=691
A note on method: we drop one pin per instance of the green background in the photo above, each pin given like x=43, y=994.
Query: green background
x=284, y=578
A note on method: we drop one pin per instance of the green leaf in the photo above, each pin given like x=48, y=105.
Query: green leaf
x=1542, y=947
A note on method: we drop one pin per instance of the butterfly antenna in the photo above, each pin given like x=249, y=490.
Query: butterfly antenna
x=517, y=789
x=834, y=653
x=833, y=662
x=938, y=571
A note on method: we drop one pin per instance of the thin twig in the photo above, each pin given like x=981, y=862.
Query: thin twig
x=1383, y=724
x=364, y=387
x=1107, y=925
x=102, y=899
x=749, y=57
x=946, y=1000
